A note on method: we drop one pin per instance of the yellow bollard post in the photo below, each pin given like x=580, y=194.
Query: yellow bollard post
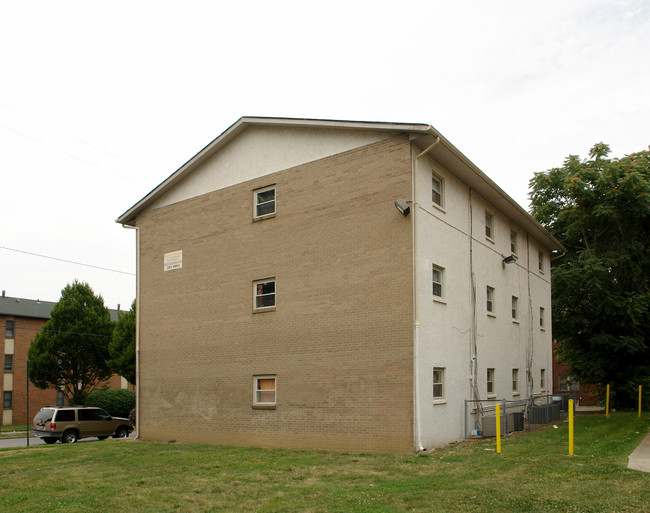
x=498, y=426
x=607, y=403
x=640, y=389
x=570, y=427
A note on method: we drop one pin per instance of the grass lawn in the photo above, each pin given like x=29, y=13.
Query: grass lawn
x=533, y=474
x=13, y=429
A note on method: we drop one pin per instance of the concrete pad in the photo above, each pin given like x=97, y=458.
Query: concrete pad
x=640, y=458
x=589, y=409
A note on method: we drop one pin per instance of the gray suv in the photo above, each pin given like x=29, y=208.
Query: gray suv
x=70, y=423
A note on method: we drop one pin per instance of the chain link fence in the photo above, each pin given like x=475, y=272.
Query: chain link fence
x=516, y=415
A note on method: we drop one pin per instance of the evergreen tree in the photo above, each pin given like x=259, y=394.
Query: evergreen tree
x=122, y=346
x=71, y=351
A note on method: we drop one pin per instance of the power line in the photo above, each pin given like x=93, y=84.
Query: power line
x=49, y=127
x=67, y=261
x=82, y=160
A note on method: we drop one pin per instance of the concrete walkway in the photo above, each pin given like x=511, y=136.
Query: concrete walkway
x=640, y=458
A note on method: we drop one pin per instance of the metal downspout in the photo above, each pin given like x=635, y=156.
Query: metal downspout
x=416, y=325
x=137, y=333
x=137, y=329
x=530, y=346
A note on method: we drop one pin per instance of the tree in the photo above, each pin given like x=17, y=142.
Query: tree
x=599, y=209
x=71, y=351
x=122, y=346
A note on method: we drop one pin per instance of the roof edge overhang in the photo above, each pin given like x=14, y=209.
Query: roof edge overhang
x=421, y=134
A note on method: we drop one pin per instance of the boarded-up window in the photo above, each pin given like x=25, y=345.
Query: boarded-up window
x=264, y=389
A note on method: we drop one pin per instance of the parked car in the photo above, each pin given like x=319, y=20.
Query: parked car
x=70, y=423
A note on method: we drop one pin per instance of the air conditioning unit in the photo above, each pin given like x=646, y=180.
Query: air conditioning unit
x=544, y=413
x=490, y=425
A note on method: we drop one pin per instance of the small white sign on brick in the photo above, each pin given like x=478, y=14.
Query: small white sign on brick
x=173, y=260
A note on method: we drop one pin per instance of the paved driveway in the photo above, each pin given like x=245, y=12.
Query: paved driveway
x=34, y=441
x=19, y=442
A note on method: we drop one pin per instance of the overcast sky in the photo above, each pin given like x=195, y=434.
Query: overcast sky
x=100, y=101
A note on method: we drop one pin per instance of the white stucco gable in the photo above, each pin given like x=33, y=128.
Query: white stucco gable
x=262, y=150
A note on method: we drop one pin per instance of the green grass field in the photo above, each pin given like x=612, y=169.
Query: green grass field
x=533, y=474
x=13, y=430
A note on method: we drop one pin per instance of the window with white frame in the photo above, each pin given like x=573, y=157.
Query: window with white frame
x=438, y=383
x=542, y=379
x=515, y=381
x=515, y=308
x=264, y=201
x=265, y=387
x=513, y=242
x=437, y=190
x=489, y=291
x=489, y=228
x=9, y=328
x=541, y=318
x=438, y=281
x=264, y=294
x=540, y=261
x=490, y=382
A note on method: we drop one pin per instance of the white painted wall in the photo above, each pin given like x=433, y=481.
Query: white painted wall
x=260, y=151
x=445, y=334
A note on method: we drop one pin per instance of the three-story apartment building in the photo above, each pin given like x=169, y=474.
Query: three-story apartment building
x=284, y=300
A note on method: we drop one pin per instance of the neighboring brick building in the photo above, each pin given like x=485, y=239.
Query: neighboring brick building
x=565, y=383
x=20, y=321
x=277, y=299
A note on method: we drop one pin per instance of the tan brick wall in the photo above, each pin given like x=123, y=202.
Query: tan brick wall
x=340, y=339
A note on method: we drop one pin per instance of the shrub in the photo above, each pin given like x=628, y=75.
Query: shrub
x=117, y=403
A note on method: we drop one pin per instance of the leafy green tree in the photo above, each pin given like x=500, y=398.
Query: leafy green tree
x=71, y=351
x=599, y=209
x=122, y=346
